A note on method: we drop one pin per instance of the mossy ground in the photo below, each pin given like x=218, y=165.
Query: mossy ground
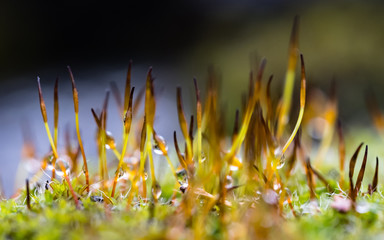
x=53, y=215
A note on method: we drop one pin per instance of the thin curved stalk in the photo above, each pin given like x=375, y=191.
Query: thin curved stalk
x=302, y=106
x=76, y=107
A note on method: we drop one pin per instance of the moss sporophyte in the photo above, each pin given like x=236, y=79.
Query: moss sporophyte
x=258, y=182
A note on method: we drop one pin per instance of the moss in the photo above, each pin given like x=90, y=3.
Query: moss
x=258, y=182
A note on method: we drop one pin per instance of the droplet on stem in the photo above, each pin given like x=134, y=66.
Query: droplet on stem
x=109, y=140
x=121, y=172
x=181, y=174
x=203, y=157
x=156, y=148
x=184, y=187
x=156, y=191
x=59, y=162
x=228, y=182
x=236, y=164
x=281, y=162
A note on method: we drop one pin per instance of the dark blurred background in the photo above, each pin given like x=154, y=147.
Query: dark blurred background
x=180, y=39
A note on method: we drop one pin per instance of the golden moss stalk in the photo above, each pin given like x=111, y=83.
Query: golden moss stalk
x=341, y=152
x=184, y=125
x=76, y=107
x=248, y=114
x=127, y=127
x=27, y=193
x=150, y=109
x=302, y=106
x=310, y=179
x=360, y=177
x=178, y=152
x=109, y=140
x=289, y=79
x=352, y=164
x=161, y=145
x=55, y=154
x=143, y=156
x=128, y=87
x=104, y=141
x=45, y=119
x=127, y=91
x=103, y=173
x=375, y=177
x=56, y=111
x=269, y=102
x=198, y=121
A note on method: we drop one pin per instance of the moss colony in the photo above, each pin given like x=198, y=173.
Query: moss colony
x=256, y=183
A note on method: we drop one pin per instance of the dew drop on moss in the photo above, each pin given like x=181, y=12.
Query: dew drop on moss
x=184, y=187
x=61, y=162
x=181, y=174
x=228, y=182
x=156, y=191
x=203, y=156
x=58, y=170
x=156, y=148
x=236, y=163
x=281, y=162
x=109, y=140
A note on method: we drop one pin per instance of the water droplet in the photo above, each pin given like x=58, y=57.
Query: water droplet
x=58, y=170
x=109, y=140
x=288, y=191
x=184, y=187
x=156, y=148
x=124, y=175
x=145, y=175
x=97, y=199
x=156, y=191
x=49, y=167
x=181, y=174
x=121, y=172
x=236, y=164
x=58, y=166
x=203, y=157
x=258, y=195
x=233, y=168
x=137, y=183
x=276, y=186
x=228, y=182
x=277, y=152
x=281, y=162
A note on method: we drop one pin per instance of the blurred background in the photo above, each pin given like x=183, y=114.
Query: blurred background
x=341, y=40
